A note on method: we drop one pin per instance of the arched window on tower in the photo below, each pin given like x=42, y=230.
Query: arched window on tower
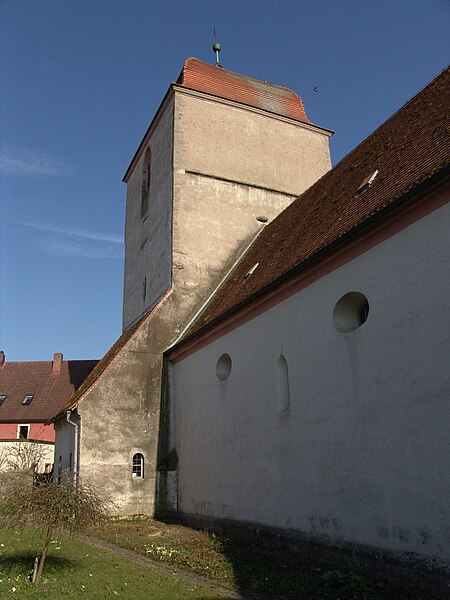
x=146, y=182
x=138, y=466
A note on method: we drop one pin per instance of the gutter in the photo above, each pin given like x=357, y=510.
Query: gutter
x=75, y=450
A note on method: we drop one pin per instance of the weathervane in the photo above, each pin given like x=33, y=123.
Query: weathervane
x=216, y=49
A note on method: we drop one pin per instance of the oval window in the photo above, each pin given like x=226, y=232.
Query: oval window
x=223, y=367
x=350, y=312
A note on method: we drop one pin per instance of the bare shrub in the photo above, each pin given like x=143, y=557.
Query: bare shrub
x=24, y=455
x=49, y=507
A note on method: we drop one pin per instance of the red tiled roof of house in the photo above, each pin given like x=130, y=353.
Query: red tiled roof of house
x=50, y=391
x=410, y=148
x=213, y=79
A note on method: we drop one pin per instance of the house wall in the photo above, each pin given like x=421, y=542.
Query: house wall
x=19, y=453
x=119, y=417
x=37, y=431
x=362, y=454
x=148, y=239
x=64, y=447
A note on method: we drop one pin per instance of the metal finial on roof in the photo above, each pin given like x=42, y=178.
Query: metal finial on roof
x=216, y=49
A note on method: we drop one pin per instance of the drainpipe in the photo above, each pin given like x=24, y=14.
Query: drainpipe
x=75, y=450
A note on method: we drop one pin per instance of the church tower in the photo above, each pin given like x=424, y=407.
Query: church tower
x=223, y=154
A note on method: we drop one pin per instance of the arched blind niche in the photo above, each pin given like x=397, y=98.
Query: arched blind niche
x=283, y=392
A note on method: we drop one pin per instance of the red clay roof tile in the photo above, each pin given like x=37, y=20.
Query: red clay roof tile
x=215, y=80
x=51, y=392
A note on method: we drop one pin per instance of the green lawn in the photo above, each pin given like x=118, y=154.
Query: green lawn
x=76, y=570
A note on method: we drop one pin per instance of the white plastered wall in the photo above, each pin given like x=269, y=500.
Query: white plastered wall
x=64, y=447
x=40, y=452
x=363, y=455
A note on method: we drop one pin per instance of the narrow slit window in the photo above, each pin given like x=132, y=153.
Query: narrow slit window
x=146, y=183
x=138, y=466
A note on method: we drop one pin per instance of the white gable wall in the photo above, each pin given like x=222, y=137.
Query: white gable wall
x=363, y=454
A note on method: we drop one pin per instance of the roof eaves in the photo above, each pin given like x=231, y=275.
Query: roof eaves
x=307, y=122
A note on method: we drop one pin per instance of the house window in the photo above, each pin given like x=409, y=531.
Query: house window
x=2, y=398
x=23, y=431
x=27, y=400
x=146, y=182
x=138, y=466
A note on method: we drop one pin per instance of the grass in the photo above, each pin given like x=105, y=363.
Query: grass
x=249, y=565
x=75, y=570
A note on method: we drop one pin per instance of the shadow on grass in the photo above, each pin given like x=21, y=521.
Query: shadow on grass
x=265, y=568
x=24, y=563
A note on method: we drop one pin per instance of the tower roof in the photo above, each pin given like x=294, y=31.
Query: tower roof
x=214, y=79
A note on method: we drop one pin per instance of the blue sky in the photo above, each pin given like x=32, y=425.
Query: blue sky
x=80, y=82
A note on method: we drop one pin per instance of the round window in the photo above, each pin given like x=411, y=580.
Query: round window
x=223, y=367
x=350, y=312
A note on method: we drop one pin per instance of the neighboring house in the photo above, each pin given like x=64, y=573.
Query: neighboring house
x=30, y=394
x=287, y=371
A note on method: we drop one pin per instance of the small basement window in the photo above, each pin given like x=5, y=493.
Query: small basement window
x=2, y=398
x=27, y=400
x=23, y=432
x=138, y=466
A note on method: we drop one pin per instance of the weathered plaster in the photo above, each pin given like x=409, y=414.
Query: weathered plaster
x=148, y=240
